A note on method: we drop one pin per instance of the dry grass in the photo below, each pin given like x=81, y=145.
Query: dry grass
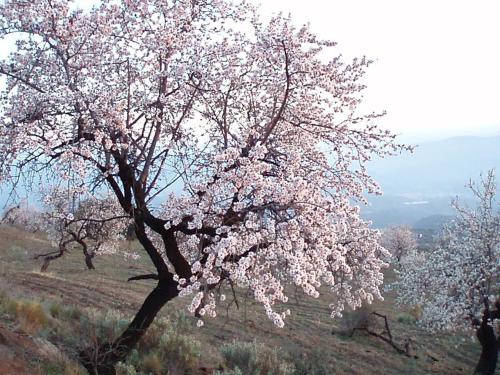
x=152, y=363
x=32, y=317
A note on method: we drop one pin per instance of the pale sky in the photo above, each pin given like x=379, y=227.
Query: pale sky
x=437, y=62
x=437, y=70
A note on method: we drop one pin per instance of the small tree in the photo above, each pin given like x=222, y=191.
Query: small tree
x=399, y=241
x=97, y=225
x=23, y=215
x=261, y=129
x=458, y=283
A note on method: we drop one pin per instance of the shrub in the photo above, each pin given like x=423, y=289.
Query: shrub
x=153, y=363
x=55, y=309
x=152, y=336
x=11, y=307
x=181, y=322
x=134, y=358
x=416, y=312
x=254, y=359
x=406, y=318
x=74, y=369
x=124, y=369
x=235, y=371
x=313, y=363
x=97, y=327
x=31, y=316
x=71, y=312
x=181, y=352
x=240, y=355
x=60, y=368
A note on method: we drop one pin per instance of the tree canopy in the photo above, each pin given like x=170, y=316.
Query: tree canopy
x=257, y=123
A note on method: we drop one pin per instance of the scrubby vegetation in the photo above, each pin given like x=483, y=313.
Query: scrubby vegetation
x=164, y=349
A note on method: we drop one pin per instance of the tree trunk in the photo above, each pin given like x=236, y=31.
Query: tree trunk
x=88, y=261
x=48, y=259
x=101, y=360
x=88, y=255
x=489, y=350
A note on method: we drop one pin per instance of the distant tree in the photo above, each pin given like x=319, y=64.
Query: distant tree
x=458, y=282
x=259, y=124
x=23, y=215
x=97, y=225
x=399, y=240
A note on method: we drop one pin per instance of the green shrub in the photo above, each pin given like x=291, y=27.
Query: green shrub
x=97, y=327
x=406, y=318
x=60, y=368
x=55, y=309
x=254, y=359
x=10, y=307
x=124, y=369
x=152, y=336
x=240, y=355
x=181, y=353
x=72, y=312
x=134, y=358
x=181, y=322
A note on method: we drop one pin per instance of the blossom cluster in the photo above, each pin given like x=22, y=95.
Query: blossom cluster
x=457, y=283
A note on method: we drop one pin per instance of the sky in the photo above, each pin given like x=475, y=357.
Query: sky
x=437, y=62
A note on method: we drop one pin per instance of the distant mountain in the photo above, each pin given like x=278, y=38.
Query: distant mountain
x=433, y=222
x=422, y=184
x=437, y=168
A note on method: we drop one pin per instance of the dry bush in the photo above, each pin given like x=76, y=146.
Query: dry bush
x=31, y=316
x=153, y=363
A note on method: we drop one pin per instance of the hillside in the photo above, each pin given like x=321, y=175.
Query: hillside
x=310, y=335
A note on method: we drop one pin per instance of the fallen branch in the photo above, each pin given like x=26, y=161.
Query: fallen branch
x=385, y=335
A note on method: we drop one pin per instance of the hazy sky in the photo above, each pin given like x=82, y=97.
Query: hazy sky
x=437, y=70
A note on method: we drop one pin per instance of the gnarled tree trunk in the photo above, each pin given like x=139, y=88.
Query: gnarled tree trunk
x=489, y=350
x=102, y=359
x=88, y=261
x=48, y=259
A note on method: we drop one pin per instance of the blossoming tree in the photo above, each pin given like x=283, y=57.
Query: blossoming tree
x=458, y=283
x=259, y=124
x=399, y=240
x=95, y=224
x=21, y=214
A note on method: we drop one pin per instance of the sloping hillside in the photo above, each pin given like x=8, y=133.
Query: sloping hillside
x=309, y=332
